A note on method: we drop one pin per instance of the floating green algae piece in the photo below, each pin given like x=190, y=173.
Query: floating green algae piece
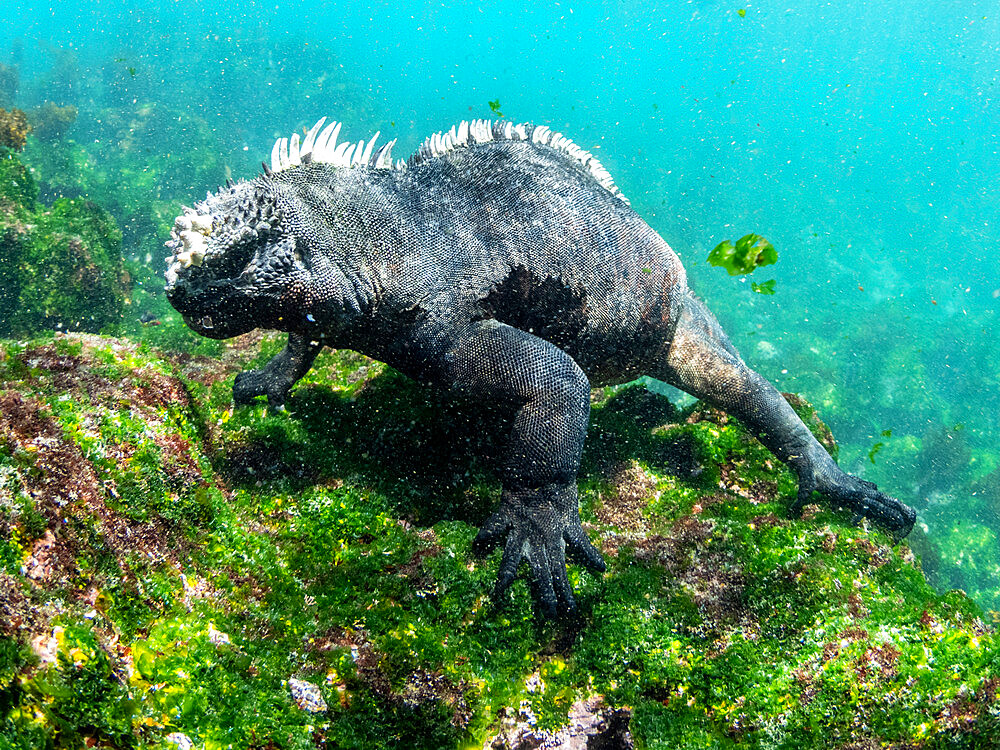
x=744, y=256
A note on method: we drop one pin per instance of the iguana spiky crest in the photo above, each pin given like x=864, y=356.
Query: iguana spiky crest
x=320, y=145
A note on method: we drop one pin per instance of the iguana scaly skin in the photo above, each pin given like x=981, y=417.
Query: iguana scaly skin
x=501, y=262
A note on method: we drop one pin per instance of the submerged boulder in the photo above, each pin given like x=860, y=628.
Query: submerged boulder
x=61, y=265
x=175, y=572
x=14, y=128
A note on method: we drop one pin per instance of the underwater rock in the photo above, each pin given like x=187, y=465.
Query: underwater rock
x=217, y=637
x=14, y=129
x=591, y=725
x=307, y=696
x=49, y=122
x=766, y=350
x=179, y=740
x=60, y=266
x=151, y=593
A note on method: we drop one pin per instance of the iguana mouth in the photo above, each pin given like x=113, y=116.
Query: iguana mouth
x=215, y=308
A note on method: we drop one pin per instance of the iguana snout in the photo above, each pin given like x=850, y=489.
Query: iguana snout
x=231, y=261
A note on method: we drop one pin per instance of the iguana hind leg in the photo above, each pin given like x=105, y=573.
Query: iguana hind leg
x=702, y=361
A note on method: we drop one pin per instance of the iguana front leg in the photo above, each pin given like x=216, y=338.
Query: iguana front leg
x=538, y=519
x=276, y=378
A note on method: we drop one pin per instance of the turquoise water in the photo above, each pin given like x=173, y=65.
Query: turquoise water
x=859, y=137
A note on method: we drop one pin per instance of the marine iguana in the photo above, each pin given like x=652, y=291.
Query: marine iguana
x=499, y=261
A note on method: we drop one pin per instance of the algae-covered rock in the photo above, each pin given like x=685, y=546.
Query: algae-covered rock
x=60, y=265
x=14, y=129
x=18, y=192
x=176, y=572
x=112, y=163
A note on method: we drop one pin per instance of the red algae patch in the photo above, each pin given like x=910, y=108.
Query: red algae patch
x=631, y=492
x=76, y=418
x=60, y=482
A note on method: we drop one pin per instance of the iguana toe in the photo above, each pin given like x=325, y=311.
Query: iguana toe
x=865, y=500
x=536, y=529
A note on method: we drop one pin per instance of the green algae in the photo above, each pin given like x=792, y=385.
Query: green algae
x=865, y=380
x=744, y=256
x=61, y=264
x=16, y=184
x=331, y=544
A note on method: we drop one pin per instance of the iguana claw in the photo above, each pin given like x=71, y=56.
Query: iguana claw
x=540, y=526
x=864, y=499
x=253, y=383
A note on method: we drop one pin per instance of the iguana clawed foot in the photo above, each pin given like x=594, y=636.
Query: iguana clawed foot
x=863, y=498
x=263, y=382
x=540, y=526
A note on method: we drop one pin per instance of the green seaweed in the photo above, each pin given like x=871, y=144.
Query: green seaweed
x=61, y=264
x=747, y=254
x=17, y=187
x=331, y=544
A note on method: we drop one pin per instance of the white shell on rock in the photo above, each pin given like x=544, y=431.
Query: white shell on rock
x=307, y=696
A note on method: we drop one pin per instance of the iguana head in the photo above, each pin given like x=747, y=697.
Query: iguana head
x=235, y=265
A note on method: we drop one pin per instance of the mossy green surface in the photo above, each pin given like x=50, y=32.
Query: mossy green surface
x=169, y=565
x=17, y=187
x=60, y=265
